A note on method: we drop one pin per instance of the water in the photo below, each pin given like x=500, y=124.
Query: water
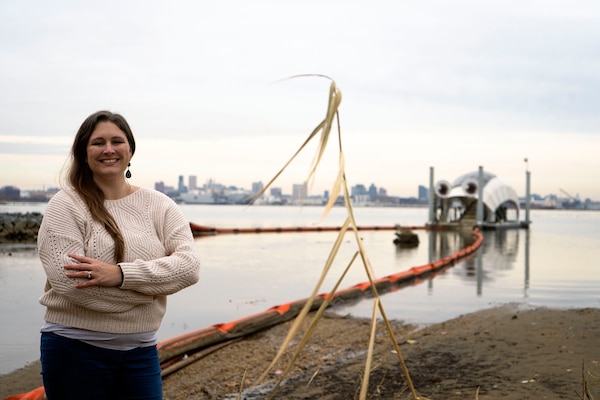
x=553, y=264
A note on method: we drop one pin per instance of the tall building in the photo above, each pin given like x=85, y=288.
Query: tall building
x=300, y=191
x=192, y=182
x=257, y=187
x=10, y=193
x=423, y=193
x=181, y=186
x=372, y=191
x=358, y=190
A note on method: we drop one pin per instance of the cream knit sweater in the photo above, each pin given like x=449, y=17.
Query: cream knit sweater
x=160, y=259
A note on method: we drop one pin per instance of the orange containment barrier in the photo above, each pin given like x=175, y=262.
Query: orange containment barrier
x=202, y=230
x=180, y=351
x=37, y=394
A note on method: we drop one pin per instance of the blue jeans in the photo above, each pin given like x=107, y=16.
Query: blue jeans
x=72, y=369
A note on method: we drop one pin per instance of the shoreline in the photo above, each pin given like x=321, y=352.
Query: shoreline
x=512, y=351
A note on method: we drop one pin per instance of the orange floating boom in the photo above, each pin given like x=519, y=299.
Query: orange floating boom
x=173, y=352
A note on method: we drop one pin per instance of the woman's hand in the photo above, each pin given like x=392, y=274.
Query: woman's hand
x=95, y=272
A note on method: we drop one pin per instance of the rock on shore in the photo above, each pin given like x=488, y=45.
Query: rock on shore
x=19, y=227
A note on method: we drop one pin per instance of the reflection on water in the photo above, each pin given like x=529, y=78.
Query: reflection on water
x=497, y=258
x=246, y=274
x=499, y=250
x=445, y=243
x=498, y=272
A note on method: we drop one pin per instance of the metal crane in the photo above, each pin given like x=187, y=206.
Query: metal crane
x=573, y=202
x=568, y=195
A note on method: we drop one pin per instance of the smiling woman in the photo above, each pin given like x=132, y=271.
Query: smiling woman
x=108, y=150
x=111, y=252
x=106, y=144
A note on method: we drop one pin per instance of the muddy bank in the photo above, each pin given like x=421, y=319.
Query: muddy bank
x=506, y=352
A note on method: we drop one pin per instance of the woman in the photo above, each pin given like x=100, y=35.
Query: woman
x=112, y=252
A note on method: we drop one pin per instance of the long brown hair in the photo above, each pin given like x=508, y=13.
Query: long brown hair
x=81, y=178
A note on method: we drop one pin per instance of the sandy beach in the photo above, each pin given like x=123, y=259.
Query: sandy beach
x=505, y=352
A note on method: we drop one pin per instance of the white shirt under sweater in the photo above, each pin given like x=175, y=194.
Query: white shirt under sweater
x=160, y=259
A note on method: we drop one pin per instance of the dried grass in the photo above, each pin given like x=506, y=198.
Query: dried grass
x=589, y=379
x=322, y=133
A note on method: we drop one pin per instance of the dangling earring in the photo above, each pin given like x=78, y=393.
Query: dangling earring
x=128, y=173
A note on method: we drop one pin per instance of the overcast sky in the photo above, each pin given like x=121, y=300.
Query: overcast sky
x=446, y=84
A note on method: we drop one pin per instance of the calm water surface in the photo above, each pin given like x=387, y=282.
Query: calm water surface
x=554, y=264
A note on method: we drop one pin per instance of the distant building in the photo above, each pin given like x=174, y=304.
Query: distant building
x=361, y=200
x=214, y=187
x=358, y=190
x=181, y=186
x=41, y=195
x=299, y=191
x=257, y=187
x=10, y=193
x=159, y=186
x=423, y=193
x=192, y=182
x=372, y=191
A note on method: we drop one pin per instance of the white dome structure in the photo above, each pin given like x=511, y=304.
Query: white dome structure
x=458, y=203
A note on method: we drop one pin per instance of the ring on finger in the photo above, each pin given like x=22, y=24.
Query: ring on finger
x=89, y=275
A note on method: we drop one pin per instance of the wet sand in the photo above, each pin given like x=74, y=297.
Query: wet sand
x=506, y=352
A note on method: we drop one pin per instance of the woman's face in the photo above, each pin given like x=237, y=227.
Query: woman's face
x=108, y=151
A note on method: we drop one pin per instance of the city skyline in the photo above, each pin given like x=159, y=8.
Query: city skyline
x=418, y=193
x=452, y=86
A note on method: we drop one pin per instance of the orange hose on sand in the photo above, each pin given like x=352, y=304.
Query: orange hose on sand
x=37, y=394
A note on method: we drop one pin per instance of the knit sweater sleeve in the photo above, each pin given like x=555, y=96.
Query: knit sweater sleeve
x=67, y=229
x=179, y=265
